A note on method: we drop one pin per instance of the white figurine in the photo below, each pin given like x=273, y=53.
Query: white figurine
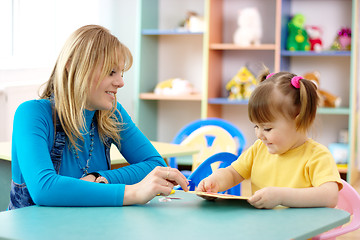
x=174, y=86
x=249, y=31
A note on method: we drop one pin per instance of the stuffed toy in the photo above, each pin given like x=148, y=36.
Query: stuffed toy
x=174, y=86
x=326, y=99
x=193, y=22
x=241, y=85
x=249, y=31
x=315, y=34
x=342, y=40
x=297, y=39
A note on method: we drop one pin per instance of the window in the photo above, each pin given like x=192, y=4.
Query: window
x=35, y=30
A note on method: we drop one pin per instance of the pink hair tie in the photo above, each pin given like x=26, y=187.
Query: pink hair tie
x=295, y=81
x=269, y=75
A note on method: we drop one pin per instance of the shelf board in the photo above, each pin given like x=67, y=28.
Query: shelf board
x=168, y=32
x=286, y=53
x=183, y=97
x=226, y=101
x=231, y=46
x=334, y=111
x=330, y=111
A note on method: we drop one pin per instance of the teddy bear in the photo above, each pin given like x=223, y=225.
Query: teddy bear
x=326, y=99
x=315, y=34
x=241, y=85
x=249, y=31
x=298, y=39
x=174, y=86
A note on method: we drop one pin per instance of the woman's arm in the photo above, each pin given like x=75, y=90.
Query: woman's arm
x=32, y=164
x=325, y=195
x=138, y=152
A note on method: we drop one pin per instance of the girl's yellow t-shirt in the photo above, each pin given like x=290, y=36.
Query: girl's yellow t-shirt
x=308, y=165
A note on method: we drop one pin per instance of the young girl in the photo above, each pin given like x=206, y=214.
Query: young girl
x=61, y=143
x=285, y=166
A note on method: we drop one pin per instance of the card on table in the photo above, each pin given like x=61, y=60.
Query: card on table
x=219, y=195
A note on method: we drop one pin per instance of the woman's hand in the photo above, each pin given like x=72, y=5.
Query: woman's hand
x=161, y=181
x=93, y=178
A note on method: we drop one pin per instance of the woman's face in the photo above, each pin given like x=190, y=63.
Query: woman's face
x=102, y=96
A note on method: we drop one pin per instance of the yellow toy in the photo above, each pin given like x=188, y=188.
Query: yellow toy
x=241, y=85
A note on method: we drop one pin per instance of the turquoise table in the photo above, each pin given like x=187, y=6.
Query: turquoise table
x=189, y=217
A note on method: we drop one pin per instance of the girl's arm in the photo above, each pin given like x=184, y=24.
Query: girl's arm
x=325, y=195
x=222, y=179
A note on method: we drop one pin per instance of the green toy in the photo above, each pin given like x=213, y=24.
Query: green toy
x=298, y=39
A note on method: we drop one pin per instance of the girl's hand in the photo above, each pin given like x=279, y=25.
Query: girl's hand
x=159, y=181
x=266, y=198
x=208, y=185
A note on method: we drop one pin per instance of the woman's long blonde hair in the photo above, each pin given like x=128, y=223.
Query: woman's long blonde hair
x=85, y=50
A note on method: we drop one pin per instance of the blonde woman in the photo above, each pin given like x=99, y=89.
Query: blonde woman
x=61, y=142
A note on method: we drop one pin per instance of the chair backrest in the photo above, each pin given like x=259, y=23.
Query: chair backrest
x=349, y=200
x=236, y=134
x=205, y=169
x=210, y=140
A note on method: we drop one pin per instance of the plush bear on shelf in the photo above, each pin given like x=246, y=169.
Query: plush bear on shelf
x=297, y=39
x=326, y=99
x=249, y=31
x=315, y=34
x=241, y=85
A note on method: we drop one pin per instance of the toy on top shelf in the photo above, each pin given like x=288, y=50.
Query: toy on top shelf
x=326, y=99
x=193, y=22
x=315, y=34
x=174, y=86
x=342, y=40
x=249, y=31
x=298, y=39
x=241, y=85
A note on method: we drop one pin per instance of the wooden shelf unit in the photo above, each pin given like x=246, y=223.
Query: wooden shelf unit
x=222, y=59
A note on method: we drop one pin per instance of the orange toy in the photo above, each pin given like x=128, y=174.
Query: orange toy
x=326, y=99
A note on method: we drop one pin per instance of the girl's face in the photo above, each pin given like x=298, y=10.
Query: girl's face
x=280, y=135
x=102, y=97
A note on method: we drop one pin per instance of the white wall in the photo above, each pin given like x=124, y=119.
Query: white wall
x=179, y=57
x=119, y=16
x=17, y=86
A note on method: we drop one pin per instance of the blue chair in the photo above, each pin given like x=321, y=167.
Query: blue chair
x=204, y=170
x=210, y=139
